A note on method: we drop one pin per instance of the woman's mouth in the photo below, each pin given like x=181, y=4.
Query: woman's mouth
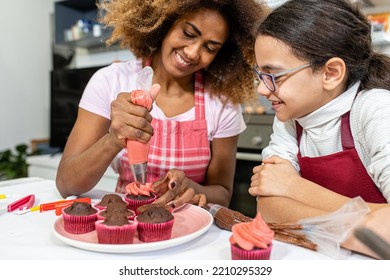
x=181, y=61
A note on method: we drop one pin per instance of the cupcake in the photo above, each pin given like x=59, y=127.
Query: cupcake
x=155, y=224
x=138, y=195
x=79, y=217
x=116, y=208
x=115, y=229
x=251, y=240
x=110, y=198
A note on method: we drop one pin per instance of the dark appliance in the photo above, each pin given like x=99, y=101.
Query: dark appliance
x=67, y=86
x=250, y=144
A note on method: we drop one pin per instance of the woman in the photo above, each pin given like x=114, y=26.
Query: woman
x=331, y=94
x=201, y=54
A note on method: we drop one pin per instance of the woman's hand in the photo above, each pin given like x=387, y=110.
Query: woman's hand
x=175, y=189
x=275, y=177
x=130, y=121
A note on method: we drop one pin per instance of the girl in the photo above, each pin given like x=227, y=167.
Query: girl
x=331, y=96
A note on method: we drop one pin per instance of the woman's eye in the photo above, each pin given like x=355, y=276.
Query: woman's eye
x=188, y=34
x=211, y=49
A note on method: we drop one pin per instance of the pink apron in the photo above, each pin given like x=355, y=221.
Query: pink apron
x=341, y=172
x=181, y=145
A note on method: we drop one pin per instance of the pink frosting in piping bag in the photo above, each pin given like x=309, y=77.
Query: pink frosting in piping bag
x=137, y=152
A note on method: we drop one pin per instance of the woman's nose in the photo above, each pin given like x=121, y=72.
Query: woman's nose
x=192, y=51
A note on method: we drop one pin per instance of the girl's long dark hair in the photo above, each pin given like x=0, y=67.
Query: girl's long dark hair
x=318, y=30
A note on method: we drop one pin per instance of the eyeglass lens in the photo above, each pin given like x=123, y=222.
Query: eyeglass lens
x=268, y=81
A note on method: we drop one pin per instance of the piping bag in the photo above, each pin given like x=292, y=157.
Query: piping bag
x=138, y=152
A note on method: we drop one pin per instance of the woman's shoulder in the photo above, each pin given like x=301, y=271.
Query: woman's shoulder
x=121, y=67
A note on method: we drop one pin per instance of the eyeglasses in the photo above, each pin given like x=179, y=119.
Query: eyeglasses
x=269, y=79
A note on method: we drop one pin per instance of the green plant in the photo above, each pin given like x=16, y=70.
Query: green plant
x=13, y=164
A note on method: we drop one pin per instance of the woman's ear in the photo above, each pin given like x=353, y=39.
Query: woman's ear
x=335, y=73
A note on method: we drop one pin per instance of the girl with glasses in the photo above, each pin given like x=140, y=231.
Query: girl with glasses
x=331, y=96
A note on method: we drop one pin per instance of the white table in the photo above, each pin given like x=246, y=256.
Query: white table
x=30, y=236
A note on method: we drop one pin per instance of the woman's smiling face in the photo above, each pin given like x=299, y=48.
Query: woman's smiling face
x=297, y=93
x=193, y=42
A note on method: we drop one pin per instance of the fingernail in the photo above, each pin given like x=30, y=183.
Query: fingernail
x=173, y=185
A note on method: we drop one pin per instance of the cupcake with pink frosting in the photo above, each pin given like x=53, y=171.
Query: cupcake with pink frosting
x=251, y=240
x=138, y=195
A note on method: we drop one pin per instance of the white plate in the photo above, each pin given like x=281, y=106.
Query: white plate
x=190, y=223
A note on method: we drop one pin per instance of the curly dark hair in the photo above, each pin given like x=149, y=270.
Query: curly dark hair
x=141, y=26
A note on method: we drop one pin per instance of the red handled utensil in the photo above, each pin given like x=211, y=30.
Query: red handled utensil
x=22, y=204
x=56, y=205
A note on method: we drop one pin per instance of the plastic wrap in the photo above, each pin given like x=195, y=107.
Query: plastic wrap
x=331, y=230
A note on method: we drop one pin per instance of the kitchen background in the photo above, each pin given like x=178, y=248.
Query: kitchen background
x=40, y=36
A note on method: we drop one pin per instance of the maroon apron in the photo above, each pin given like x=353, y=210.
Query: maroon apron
x=341, y=172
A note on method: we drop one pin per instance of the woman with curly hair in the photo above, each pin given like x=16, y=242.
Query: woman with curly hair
x=202, y=54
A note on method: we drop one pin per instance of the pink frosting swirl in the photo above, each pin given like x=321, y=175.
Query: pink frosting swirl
x=253, y=234
x=142, y=98
x=135, y=188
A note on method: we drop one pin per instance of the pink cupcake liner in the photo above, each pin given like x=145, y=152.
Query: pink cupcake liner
x=79, y=224
x=116, y=234
x=130, y=216
x=255, y=254
x=150, y=232
x=133, y=204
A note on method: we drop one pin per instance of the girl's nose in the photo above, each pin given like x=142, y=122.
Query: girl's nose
x=262, y=89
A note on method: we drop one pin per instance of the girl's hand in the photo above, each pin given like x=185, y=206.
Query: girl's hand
x=175, y=189
x=275, y=177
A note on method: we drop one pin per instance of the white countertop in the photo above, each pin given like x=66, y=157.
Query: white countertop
x=31, y=237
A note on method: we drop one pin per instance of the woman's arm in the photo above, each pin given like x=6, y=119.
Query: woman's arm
x=88, y=153
x=95, y=141
x=218, y=186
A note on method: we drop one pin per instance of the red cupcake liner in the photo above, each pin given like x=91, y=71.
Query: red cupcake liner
x=116, y=234
x=79, y=224
x=133, y=204
x=238, y=253
x=150, y=232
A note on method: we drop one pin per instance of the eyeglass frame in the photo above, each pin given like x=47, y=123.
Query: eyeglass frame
x=260, y=75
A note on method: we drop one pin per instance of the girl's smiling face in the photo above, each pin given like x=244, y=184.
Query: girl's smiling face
x=193, y=42
x=297, y=93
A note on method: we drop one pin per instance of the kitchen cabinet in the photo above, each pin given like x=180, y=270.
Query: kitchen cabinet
x=380, y=38
x=75, y=24
x=45, y=166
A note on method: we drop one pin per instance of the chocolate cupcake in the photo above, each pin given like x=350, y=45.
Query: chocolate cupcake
x=155, y=224
x=116, y=229
x=251, y=240
x=79, y=217
x=108, y=199
x=116, y=208
x=138, y=195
